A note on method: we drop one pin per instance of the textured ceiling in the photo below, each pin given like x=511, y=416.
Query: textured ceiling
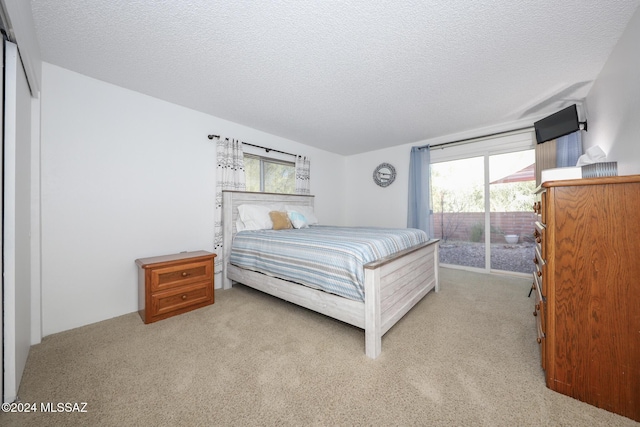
x=345, y=76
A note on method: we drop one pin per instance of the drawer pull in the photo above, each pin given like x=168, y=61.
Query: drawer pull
x=536, y=207
x=185, y=274
x=184, y=297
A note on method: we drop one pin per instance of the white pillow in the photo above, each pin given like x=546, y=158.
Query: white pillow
x=297, y=219
x=255, y=217
x=307, y=211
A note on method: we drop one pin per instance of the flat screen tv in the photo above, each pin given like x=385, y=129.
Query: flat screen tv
x=556, y=125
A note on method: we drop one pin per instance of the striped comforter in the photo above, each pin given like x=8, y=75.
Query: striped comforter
x=321, y=257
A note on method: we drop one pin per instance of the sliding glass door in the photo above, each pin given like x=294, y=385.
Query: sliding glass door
x=458, y=211
x=482, y=205
x=511, y=186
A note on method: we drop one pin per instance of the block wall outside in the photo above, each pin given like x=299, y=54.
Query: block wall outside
x=469, y=226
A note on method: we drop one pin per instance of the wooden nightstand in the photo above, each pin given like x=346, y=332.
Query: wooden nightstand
x=174, y=284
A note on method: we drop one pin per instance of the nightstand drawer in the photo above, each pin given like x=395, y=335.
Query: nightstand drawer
x=180, y=275
x=185, y=298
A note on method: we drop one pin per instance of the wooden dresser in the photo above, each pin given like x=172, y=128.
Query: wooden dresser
x=174, y=284
x=587, y=287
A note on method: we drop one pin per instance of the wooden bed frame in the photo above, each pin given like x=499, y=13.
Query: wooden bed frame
x=393, y=285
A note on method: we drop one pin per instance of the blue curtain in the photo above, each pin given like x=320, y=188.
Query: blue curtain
x=419, y=214
x=568, y=149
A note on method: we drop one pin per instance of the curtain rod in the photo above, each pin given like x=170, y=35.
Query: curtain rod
x=258, y=146
x=475, y=138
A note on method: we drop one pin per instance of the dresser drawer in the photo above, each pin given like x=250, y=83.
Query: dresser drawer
x=543, y=344
x=537, y=280
x=180, y=275
x=539, y=312
x=539, y=236
x=538, y=271
x=540, y=308
x=540, y=206
x=182, y=299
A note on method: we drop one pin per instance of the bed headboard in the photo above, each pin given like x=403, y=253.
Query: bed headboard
x=230, y=202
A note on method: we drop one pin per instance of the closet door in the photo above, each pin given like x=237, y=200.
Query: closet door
x=2, y=227
x=16, y=240
x=11, y=371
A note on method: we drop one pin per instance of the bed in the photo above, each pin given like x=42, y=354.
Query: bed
x=392, y=284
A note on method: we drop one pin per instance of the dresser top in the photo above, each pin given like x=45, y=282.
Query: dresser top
x=146, y=262
x=591, y=181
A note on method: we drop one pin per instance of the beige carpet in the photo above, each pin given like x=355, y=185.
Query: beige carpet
x=466, y=356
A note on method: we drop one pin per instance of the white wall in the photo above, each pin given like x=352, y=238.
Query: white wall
x=126, y=176
x=613, y=103
x=371, y=205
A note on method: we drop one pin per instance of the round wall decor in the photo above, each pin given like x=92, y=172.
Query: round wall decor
x=384, y=174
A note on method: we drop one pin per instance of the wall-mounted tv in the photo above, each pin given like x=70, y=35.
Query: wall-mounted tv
x=556, y=125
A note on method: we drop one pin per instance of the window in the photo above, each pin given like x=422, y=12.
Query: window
x=269, y=175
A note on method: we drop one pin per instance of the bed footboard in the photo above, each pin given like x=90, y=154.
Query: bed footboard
x=393, y=286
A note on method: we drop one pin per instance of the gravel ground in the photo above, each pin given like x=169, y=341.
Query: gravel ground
x=518, y=257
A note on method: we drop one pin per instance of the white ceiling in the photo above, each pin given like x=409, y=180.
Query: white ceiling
x=346, y=76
